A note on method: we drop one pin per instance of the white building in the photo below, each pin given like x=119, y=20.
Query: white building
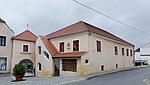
x=142, y=54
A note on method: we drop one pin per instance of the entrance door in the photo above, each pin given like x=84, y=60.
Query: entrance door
x=69, y=65
x=57, y=66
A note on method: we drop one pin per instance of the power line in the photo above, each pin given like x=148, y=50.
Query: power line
x=111, y=17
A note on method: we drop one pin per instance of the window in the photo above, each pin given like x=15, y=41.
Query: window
x=116, y=50
x=3, y=64
x=46, y=54
x=122, y=51
x=39, y=66
x=102, y=67
x=131, y=53
x=25, y=48
x=2, y=41
x=86, y=61
x=39, y=49
x=76, y=45
x=98, y=46
x=61, y=47
x=127, y=52
x=116, y=65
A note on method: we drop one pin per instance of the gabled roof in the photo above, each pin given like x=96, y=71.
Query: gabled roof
x=26, y=35
x=48, y=44
x=82, y=26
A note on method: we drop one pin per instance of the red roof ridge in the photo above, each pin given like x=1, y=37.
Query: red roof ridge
x=82, y=22
x=23, y=36
x=67, y=27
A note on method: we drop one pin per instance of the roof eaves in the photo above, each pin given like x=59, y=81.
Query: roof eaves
x=1, y=20
x=113, y=39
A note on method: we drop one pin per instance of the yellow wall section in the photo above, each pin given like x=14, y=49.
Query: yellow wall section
x=46, y=73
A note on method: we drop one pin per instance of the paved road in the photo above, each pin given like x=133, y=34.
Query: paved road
x=130, y=77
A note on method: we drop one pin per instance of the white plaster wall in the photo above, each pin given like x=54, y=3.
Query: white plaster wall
x=83, y=46
x=6, y=51
x=82, y=37
x=137, y=56
x=145, y=51
x=106, y=57
x=47, y=69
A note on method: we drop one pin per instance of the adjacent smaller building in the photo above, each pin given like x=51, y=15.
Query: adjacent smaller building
x=24, y=50
x=5, y=47
x=142, y=55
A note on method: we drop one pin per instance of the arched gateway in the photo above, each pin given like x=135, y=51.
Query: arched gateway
x=29, y=64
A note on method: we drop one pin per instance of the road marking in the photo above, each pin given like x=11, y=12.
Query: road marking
x=146, y=81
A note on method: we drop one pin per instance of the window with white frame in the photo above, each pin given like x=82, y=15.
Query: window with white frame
x=98, y=45
x=25, y=48
x=39, y=66
x=39, y=49
x=61, y=47
x=76, y=45
x=46, y=54
x=3, y=63
x=116, y=50
x=87, y=62
x=2, y=41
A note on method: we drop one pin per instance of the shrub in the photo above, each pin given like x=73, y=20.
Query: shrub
x=19, y=70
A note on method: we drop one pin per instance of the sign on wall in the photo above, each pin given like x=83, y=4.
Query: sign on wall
x=3, y=62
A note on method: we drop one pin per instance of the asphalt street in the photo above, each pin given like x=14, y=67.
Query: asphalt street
x=130, y=77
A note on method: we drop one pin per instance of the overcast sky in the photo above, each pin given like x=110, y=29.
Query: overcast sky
x=46, y=16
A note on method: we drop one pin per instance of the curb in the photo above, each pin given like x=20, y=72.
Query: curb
x=72, y=81
x=114, y=71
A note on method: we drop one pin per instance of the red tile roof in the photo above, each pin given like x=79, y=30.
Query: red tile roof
x=48, y=44
x=26, y=35
x=69, y=54
x=80, y=27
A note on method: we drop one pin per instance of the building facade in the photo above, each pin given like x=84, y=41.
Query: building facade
x=5, y=47
x=142, y=55
x=78, y=49
x=24, y=50
x=82, y=49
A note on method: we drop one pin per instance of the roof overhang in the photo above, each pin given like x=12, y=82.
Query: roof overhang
x=69, y=55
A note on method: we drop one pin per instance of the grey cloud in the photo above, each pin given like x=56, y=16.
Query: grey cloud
x=46, y=16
